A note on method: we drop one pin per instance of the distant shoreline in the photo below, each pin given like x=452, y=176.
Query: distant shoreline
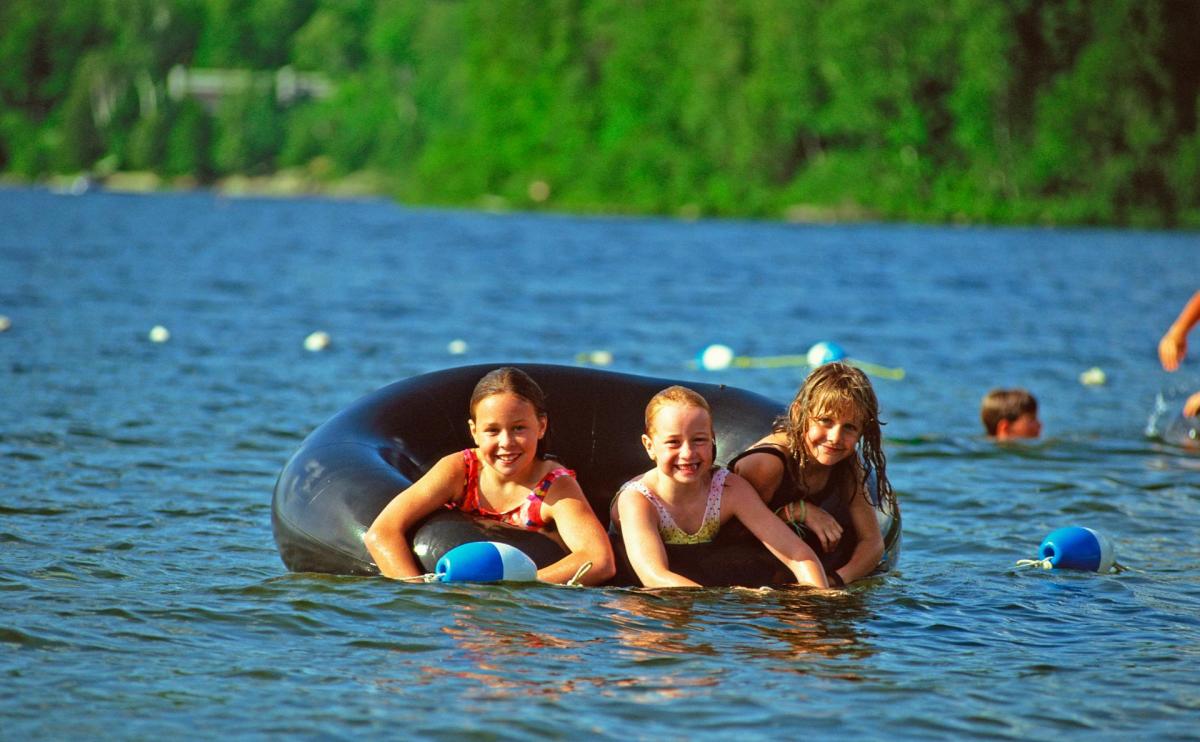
x=296, y=183
x=283, y=184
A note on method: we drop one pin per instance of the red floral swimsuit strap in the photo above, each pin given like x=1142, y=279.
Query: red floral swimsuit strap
x=530, y=513
x=526, y=515
x=470, y=493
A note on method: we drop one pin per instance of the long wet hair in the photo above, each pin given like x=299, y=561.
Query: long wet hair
x=511, y=380
x=839, y=387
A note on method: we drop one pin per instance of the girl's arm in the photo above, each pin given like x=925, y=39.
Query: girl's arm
x=581, y=533
x=643, y=545
x=764, y=472
x=869, y=549
x=823, y=525
x=1173, y=346
x=744, y=504
x=387, y=538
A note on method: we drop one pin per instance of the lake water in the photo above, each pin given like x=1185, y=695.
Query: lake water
x=141, y=594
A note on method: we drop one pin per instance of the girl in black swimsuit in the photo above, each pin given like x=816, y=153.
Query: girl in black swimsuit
x=818, y=466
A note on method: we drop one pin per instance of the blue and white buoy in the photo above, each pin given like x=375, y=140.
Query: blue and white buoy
x=485, y=561
x=824, y=352
x=1076, y=547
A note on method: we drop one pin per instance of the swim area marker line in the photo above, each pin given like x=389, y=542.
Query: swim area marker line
x=717, y=357
x=787, y=361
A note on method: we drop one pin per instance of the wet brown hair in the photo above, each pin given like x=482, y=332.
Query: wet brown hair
x=1005, y=404
x=839, y=387
x=511, y=380
x=677, y=395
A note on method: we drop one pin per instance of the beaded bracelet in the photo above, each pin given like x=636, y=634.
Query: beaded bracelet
x=789, y=513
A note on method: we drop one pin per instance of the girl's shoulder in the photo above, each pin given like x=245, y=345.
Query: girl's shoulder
x=634, y=486
x=777, y=441
x=767, y=454
x=457, y=461
x=735, y=482
x=555, y=479
x=645, y=480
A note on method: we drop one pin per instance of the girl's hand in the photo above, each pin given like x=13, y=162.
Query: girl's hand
x=1191, y=407
x=1171, y=349
x=824, y=526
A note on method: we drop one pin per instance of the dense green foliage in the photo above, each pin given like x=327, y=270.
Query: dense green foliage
x=1036, y=111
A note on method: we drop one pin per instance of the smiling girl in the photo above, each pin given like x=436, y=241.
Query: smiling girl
x=506, y=477
x=812, y=463
x=685, y=499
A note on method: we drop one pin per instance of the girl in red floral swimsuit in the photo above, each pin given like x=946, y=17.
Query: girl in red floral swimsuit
x=504, y=477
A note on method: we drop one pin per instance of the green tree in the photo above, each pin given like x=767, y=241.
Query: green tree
x=189, y=142
x=248, y=132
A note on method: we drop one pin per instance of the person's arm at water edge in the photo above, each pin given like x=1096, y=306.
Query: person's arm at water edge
x=744, y=504
x=1173, y=346
x=387, y=538
x=643, y=544
x=581, y=534
x=869, y=548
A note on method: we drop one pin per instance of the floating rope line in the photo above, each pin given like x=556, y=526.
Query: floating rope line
x=1042, y=563
x=1116, y=568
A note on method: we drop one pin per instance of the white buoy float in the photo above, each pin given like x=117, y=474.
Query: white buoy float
x=456, y=347
x=716, y=357
x=317, y=341
x=1094, y=376
x=595, y=357
x=159, y=334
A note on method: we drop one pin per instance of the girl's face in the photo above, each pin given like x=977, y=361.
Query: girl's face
x=833, y=435
x=681, y=442
x=507, y=429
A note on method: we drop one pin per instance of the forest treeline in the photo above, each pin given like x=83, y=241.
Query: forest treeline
x=1024, y=111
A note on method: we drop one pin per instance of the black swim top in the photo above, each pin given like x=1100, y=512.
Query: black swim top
x=788, y=489
x=828, y=498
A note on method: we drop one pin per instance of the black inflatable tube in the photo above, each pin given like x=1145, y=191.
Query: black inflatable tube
x=350, y=467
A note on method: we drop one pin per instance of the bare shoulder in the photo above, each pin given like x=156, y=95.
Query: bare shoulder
x=738, y=486
x=741, y=500
x=451, y=461
x=449, y=467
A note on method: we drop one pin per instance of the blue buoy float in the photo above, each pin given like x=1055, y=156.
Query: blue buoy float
x=1074, y=547
x=485, y=561
x=824, y=352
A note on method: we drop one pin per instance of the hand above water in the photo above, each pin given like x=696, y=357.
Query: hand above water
x=824, y=526
x=1172, y=348
x=1191, y=407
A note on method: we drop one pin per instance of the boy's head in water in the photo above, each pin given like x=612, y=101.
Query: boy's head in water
x=1010, y=413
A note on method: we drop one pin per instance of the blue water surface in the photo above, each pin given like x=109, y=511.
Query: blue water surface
x=141, y=594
